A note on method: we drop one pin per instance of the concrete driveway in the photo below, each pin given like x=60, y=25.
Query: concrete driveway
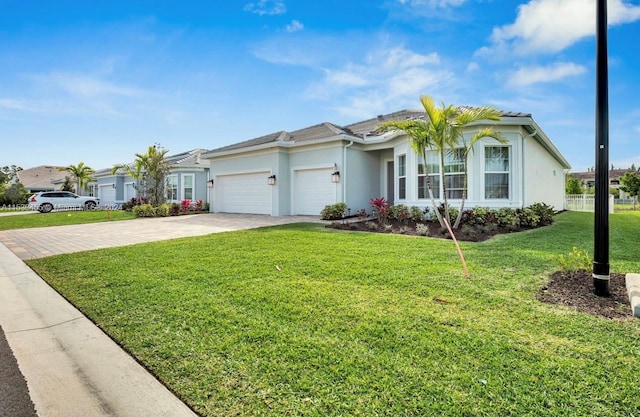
x=46, y=241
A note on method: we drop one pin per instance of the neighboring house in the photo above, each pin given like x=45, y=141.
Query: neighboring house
x=588, y=178
x=187, y=180
x=41, y=178
x=299, y=172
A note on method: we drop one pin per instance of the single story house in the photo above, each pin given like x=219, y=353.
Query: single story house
x=588, y=178
x=41, y=178
x=187, y=180
x=299, y=172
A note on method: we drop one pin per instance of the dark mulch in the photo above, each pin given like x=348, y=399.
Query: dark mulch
x=464, y=233
x=575, y=289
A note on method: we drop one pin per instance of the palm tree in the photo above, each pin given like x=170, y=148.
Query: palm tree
x=150, y=170
x=442, y=131
x=81, y=174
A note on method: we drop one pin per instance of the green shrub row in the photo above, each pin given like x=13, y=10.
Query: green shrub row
x=163, y=210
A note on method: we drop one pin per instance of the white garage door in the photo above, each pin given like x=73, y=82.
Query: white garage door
x=106, y=194
x=312, y=191
x=243, y=193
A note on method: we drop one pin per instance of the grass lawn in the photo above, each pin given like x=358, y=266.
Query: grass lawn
x=61, y=218
x=302, y=320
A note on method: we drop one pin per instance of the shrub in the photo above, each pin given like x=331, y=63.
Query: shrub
x=544, y=211
x=144, y=210
x=576, y=260
x=380, y=208
x=333, y=211
x=528, y=217
x=422, y=229
x=480, y=215
x=185, y=205
x=174, y=209
x=417, y=214
x=507, y=217
x=399, y=212
x=163, y=210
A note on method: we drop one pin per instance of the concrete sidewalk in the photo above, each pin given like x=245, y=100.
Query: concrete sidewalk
x=71, y=367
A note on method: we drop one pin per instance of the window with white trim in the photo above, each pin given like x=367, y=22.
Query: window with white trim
x=172, y=188
x=402, y=177
x=429, y=174
x=454, y=172
x=496, y=172
x=187, y=186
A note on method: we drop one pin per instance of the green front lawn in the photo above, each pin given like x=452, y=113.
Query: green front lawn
x=303, y=320
x=61, y=218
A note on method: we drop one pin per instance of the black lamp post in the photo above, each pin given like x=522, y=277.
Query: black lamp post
x=601, y=218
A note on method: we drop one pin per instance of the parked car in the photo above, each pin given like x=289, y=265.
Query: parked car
x=46, y=201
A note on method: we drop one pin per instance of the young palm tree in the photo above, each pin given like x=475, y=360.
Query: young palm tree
x=81, y=174
x=442, y=131
x=150, y=170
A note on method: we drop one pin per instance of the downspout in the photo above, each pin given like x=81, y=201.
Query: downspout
x=344, y=172
x=522, y=191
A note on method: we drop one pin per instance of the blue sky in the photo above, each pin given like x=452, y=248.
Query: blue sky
x=97, y=81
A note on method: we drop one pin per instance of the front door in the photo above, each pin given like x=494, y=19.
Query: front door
x=390, y=182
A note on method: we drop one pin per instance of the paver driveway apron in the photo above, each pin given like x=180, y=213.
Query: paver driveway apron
x=46, y=241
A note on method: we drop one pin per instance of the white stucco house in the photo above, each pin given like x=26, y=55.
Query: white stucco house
x=187, y=180
x=299, y=172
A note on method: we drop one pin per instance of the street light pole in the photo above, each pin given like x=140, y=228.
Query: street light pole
x=601, y=218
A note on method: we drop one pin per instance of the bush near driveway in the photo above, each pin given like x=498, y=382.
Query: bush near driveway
x=302, y=320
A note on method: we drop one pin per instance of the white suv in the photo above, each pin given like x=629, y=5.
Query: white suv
x=61, y=200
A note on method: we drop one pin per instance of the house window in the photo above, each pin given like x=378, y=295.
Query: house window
x=429, y=174
x=454, y=172
x=187, y=186
x=496, y=172
x=172, y=188
x=92, y=190
x=402, y=177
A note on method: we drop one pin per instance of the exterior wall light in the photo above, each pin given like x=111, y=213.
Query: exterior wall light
x=335, y=177
x=210, y=183
x=271, y=180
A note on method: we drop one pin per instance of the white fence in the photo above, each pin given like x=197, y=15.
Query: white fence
x=584, y=202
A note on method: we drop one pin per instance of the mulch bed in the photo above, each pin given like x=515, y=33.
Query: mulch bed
x=571, y=288
x=466, y=234
x=575, y=289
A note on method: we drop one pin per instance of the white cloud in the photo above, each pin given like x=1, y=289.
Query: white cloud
x=386, y=79
x=553, y=25
x=88, y=86
x=294, y=26
x=539, y=74
x=266, y=7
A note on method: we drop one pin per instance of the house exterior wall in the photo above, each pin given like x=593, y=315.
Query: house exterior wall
x=361, y=178
x=543, y=176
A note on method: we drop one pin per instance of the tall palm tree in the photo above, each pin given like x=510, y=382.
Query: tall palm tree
x=150, y=170
x=442, y=131
x=81, y=174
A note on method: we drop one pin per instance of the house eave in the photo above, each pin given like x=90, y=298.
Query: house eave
x=280, y=144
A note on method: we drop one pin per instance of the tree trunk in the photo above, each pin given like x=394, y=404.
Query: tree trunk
x=444, y=188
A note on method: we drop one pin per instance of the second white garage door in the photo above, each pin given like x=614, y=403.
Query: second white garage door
x=312, y=190
x=243, y=193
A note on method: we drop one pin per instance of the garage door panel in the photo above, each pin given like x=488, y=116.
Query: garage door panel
x=243, y=193
x=107, y=194
x=313, y=190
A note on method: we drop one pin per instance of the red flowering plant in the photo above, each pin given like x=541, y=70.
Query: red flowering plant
x=199, y=205
x=185, y=205
x=380, y=209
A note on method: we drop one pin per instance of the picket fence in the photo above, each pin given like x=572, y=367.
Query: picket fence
x=584, y=202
